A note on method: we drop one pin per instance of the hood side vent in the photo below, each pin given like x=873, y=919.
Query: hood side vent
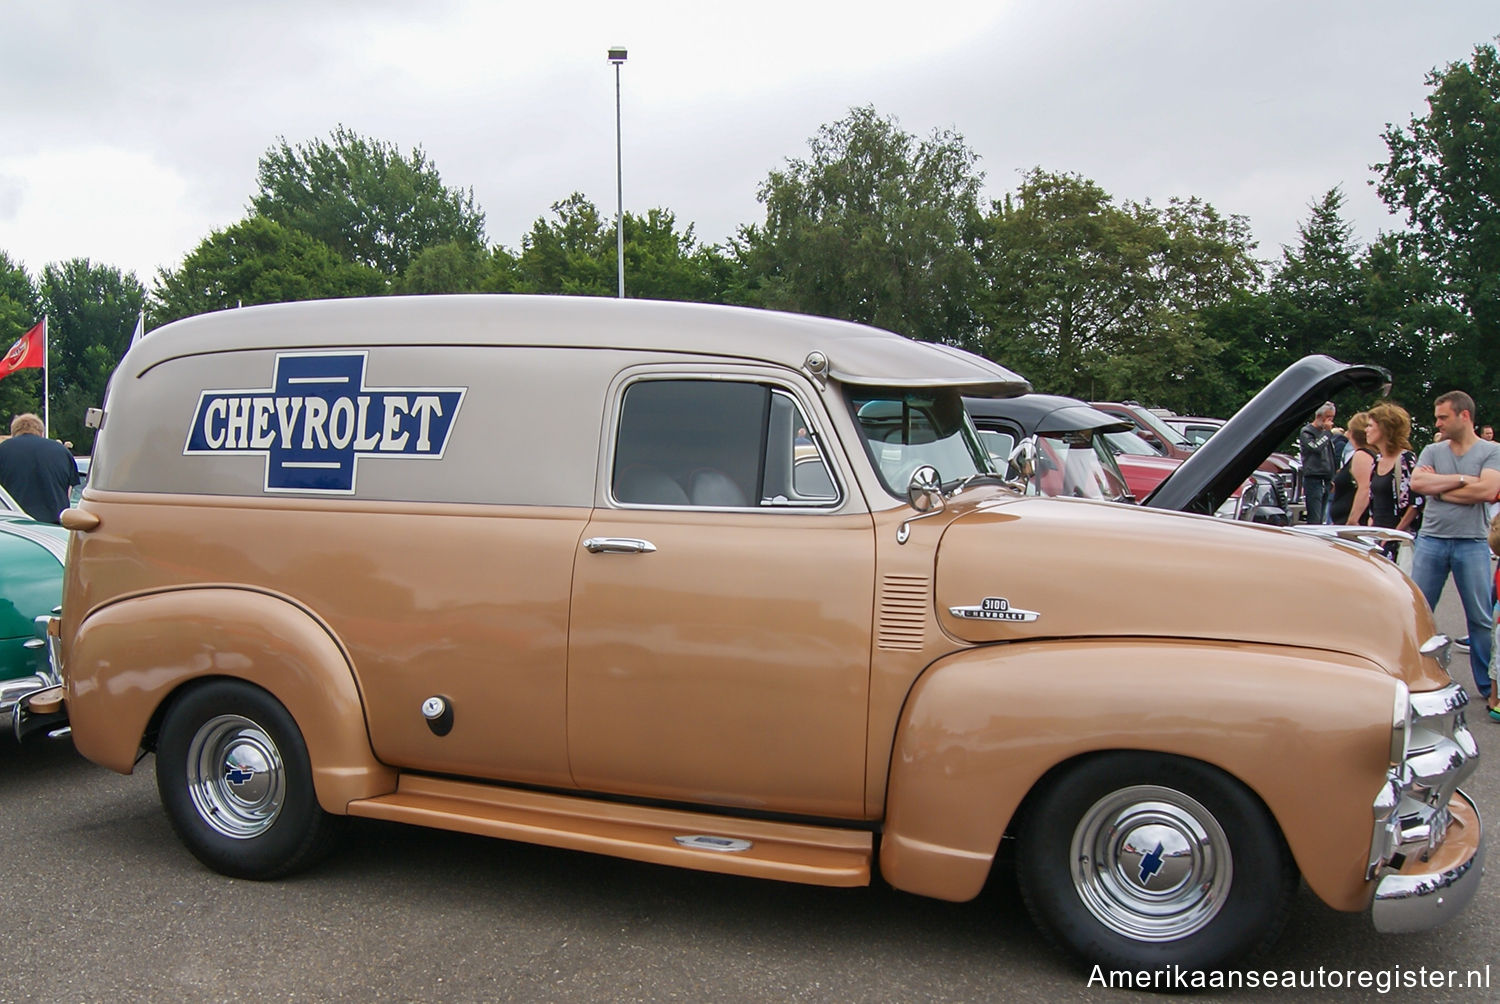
x=904, y=601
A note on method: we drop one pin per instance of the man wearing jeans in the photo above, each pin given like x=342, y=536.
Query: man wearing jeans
x=1458, y=475
x=1315, y=450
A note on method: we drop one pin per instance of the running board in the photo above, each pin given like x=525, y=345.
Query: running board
x=791, y=852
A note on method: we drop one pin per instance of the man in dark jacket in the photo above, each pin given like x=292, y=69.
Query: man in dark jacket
x=37, y=471
x=1315, y=447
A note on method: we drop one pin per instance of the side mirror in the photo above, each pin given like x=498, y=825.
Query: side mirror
x=1023, y=460
x=925, y=491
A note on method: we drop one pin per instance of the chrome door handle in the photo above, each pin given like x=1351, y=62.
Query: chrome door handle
x=618, y=545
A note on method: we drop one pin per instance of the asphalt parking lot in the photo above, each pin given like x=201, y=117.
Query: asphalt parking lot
x=103, y=903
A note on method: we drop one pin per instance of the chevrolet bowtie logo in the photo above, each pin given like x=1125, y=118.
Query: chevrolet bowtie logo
x=317, y=420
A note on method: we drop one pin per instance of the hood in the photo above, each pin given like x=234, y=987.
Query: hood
x=1222, y=464
x=1175, y=576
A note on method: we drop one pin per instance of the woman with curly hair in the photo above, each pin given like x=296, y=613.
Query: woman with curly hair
x=1351, y=485
x=1392, y=504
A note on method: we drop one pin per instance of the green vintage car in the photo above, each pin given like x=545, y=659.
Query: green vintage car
x=31, y=567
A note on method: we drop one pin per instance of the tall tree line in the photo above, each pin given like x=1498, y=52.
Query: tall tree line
x=1085, y=293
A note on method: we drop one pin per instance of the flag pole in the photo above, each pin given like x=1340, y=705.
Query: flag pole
x=46, y=385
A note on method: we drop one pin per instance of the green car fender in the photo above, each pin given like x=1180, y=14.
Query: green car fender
x=31, y=570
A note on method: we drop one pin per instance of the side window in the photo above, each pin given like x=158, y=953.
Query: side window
x=719, y=444
x=999, y=446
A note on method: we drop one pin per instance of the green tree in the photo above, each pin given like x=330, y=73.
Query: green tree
x=1443, y=174
x=1317, y=290
x=91, y=312
x=875, y=226
x=257, y=261
x=365, y=199
x=20, y=308
x=1068, y=274
x=455, y=267
x=574, y=252
x=1098, y=299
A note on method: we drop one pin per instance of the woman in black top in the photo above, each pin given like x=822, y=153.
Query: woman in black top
x=1392, y=504
x=1352, y=482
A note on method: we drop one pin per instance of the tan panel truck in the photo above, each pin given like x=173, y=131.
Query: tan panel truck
x=739, y=591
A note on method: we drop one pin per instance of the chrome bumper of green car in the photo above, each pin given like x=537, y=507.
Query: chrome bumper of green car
x=15, y=694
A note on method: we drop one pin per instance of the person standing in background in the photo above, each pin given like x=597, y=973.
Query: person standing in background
x=1392, y=504
x=1315, y=447
x=1351, y=485
x=37, y=471
x=1458, y=476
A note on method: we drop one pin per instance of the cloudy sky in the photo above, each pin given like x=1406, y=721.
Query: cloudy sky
x=132, y=127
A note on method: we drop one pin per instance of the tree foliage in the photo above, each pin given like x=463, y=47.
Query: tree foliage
x=365, y=199
x=91, y=313
x=575, y=252
x=1103, y=300
x=1443, y=174
x=257, y=261
x=874, y=225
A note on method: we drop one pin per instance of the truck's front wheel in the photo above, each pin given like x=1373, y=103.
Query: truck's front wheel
x=236, y=781
x=1144, y=861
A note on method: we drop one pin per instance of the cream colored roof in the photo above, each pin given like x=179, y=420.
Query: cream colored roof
x=856, y=353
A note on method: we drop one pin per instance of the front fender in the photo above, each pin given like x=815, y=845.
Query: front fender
x=1307, y=731
x=129, y=656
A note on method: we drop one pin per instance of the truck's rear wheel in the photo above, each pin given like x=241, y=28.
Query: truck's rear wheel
x=1144, y=861
x=236, y=781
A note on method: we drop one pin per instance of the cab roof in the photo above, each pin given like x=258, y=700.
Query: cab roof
x=855, y=353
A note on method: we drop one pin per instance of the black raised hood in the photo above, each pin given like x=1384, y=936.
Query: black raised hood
x=1222, y=464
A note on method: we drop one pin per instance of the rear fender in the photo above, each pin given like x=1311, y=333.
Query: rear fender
x=129, y=657
x=1307, y=731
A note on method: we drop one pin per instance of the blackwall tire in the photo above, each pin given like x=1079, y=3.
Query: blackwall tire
x=1143, y=862
x=236, y=782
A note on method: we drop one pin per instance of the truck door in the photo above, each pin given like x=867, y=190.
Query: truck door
x=719, y=641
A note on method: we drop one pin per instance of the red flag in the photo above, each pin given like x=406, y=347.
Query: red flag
x=30, y=351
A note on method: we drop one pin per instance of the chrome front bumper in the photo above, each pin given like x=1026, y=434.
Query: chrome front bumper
x=1424, y=894
x=1427, y=849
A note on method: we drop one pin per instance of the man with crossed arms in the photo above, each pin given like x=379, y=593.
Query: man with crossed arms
x=1458, y=475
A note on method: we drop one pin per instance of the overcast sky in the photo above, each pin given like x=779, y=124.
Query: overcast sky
x=132, y=127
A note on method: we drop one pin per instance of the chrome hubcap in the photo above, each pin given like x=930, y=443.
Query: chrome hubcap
x=235, y=777
x=1151, y=863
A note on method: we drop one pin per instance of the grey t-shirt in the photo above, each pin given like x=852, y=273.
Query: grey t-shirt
x=1449, y=519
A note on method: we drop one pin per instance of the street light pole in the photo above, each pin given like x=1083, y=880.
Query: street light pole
x=617, y=57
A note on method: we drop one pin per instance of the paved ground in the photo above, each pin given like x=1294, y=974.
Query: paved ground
x=102, y=903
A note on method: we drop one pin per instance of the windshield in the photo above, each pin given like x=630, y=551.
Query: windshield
x=1129, y=443
x=904, y=429
x=1077, y=465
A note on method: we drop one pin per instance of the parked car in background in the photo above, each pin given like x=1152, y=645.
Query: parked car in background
x=1286, y=469
x=1083, y=452
x=1142, y=466
x=1151, y=427
x=82, y=464
x=1072, y=459
x=31, y=571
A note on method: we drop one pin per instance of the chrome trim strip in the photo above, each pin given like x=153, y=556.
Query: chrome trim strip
x=1418, y=902
x=48, y=542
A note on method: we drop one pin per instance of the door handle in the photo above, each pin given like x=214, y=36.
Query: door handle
x=618, y=545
